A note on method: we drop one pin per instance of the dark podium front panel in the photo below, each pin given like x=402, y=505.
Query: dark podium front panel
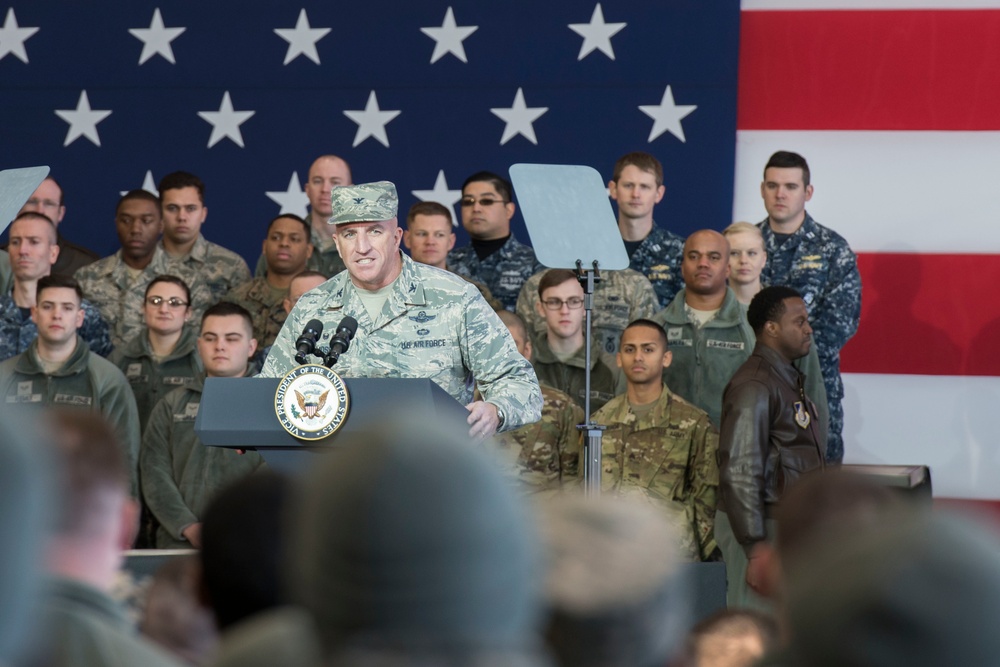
x=239, y=413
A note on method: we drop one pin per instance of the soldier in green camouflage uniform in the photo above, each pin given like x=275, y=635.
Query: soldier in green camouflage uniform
x=286, y=250
x=659, y=447
x=413, y=320
x=544, y=456
x=494, y=256
x=117, y=284
x=637, y=186
x=191, y=256
x=619, y=298
x=179, y=474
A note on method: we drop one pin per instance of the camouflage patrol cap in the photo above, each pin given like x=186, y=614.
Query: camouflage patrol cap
x=366, y=202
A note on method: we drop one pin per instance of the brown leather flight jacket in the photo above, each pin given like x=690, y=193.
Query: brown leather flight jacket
x=770, y=436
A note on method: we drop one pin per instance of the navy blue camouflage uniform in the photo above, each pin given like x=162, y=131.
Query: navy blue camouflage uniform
x=17, y=330
x=820, y=265
x=658, y=258
x=503, y=272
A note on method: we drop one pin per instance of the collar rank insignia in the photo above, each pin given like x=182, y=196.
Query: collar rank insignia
x=359, y=200
x=801, y=415
x=422, y=317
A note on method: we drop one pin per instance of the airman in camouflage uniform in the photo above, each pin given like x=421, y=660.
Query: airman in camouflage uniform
x=265, y=305
x=428, y=323
x=325, y=259
x=819, y=264
x=637, y=186
x=619, y=298
x=663, y=450
x=494, y=257
x=190, y=256
x=17, y=330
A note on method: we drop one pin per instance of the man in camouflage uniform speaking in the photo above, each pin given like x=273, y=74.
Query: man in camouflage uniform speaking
x=414, y=321
x=817, y=262
x=657, y=446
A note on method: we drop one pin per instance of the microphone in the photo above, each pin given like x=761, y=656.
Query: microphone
x=341, y=340
x=306, y=343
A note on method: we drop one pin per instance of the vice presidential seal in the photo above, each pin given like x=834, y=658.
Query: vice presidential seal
x=311, y=402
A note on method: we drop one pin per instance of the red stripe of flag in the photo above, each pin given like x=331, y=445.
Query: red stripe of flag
x=869, y=70
x=926, y=314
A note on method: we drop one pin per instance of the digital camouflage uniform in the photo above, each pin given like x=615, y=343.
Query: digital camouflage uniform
x=85, y=381
x=209, y=264
x=619, y=298
x=324, y=259
x=17, y=330
x=266, y=308
x=570, y=375
x=820, y=265
x=433, y=325
x=705, y=358
x=483, y=289
x=668, y=459
x=150, y=379
x=503, y=272
x=85, y=627
x=180, y=476
x=108, y=283
x=544, y=456
x=658, y=258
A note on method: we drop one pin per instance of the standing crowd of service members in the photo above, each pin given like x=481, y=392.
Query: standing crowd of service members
x=714, y=364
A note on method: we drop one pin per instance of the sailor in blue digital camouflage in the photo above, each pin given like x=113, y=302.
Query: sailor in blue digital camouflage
x=117, y=284
x=413, y=320
x=494, y=257
x=191, y=255
x=33, y=246
x=637, y=186
x=819, y=264
x=542, y=458
x=430, y=236
x=657, y=446
x=286, y=250
x=325, y=173
x=619, y=298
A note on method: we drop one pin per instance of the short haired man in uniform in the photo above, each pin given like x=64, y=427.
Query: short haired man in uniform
x=325, y=173
x=34, y=252
x=770, y=434
x=59, y=369
x=818, y=262
x=192, y=256
x=637, y=186
x=657, y=445
x=559, y=357
x=180, y=475
x=48, y=200
x=430, y=235
x=413, y=320
x=494, y=257
x=286, y=251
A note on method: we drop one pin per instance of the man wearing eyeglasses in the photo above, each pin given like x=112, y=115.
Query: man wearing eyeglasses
x=117, y=284
x=48, y=200
x=34, y=250
x=559, y=357
x=494, y=256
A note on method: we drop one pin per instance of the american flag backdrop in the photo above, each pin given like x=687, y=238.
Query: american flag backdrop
x=894, y=102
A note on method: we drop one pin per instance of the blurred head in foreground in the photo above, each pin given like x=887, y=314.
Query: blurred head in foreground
x=410, y=547
x=616, y=595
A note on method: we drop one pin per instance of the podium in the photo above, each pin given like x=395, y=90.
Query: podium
x=238, y=413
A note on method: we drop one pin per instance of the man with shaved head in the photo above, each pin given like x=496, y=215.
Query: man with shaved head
x=326, y=173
